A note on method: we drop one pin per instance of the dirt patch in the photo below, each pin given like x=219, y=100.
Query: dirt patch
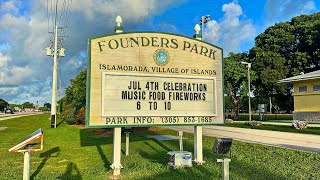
x=103, y=132
x=81, y=126
x=2, y=128
x=147, y=129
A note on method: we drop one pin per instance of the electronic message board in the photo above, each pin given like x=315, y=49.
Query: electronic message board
x=153, y=79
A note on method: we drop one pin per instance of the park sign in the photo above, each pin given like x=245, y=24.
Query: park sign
x=153, y=79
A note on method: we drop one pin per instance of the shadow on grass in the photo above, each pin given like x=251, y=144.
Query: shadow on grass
x=152, y=147
x=88, y=137
x=161, y=145
x=154, y=157
x=54, y=152
x=103, y=157
x=239, y=168
x=159, y=150
x=72, y=172
x=61, y=121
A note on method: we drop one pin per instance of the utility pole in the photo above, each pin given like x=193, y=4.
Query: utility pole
x=249, y=66
x=53, y=118
x=54, y=73
x=270, y=106
x=204, y=19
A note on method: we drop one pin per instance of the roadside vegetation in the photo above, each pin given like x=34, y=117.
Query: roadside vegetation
x=73, y=152
x=266, y=117
x=281, y=51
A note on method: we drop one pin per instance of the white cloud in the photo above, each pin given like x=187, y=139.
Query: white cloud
x=23, y=64
x=11, y=75
x=284, y=10
x=231, y=30
x=4, y=60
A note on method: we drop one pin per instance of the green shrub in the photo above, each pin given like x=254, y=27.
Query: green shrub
x=266, y=117
x=68, y=115
x=81, y=116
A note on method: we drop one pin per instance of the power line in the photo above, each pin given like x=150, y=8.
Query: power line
x=59, y=24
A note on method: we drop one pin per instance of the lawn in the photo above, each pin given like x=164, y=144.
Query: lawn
x=72, y=152
x=282, y=128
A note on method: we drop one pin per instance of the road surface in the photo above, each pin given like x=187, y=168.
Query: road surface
x=305, y=142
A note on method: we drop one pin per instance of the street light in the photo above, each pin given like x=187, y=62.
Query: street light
x=249, y=66
x=204, y=19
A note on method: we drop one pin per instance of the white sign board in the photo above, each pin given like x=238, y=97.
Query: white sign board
x=153, y=79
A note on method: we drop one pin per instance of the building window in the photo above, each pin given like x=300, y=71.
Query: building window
x=316, y=87
x=302, y=88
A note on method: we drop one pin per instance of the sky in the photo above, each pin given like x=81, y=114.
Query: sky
x=26, y=28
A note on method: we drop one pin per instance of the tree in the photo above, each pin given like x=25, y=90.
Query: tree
x=269, y=58
x=3, y=104
x=75, y=99
x=307, y=31
x=235, y=79
x=285, y=50
x=27, y=105
x=76, y=92
x=47, y=105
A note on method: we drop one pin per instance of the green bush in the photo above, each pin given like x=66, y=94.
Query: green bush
x=81, y=116
x=68, y=115
x=266, y=117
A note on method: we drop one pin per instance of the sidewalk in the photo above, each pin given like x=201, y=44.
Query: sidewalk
x=281, y=123
x=305, y=142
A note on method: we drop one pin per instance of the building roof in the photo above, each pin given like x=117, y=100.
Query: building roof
x=302, y=77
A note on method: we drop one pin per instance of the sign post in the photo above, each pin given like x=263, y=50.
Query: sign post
x=26, y=163
x=180, y=133
x=127, y=143
x=225, y=168
x=26, y=147
x=198, y=152
x=116, y=165
x=144, y=79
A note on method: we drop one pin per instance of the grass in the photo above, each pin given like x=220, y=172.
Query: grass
x=72, y=152
x=282, y=128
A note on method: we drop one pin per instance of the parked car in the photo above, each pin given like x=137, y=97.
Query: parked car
x=9, y=111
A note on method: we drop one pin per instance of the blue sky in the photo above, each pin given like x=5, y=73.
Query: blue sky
x=25, y=71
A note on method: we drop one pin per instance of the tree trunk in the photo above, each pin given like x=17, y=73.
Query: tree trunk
x=235, y=101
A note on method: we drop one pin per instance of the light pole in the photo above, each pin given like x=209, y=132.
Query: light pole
x=204, y=19
x=249, y=66
x=56, y=52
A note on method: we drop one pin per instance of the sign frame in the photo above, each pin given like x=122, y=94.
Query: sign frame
x=29, y=140
x=88, y=85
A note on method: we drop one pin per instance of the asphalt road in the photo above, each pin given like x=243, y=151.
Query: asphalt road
x=304, y=142
x=16, y=115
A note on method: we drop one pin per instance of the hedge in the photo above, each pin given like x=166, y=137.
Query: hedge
x=266, y=117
